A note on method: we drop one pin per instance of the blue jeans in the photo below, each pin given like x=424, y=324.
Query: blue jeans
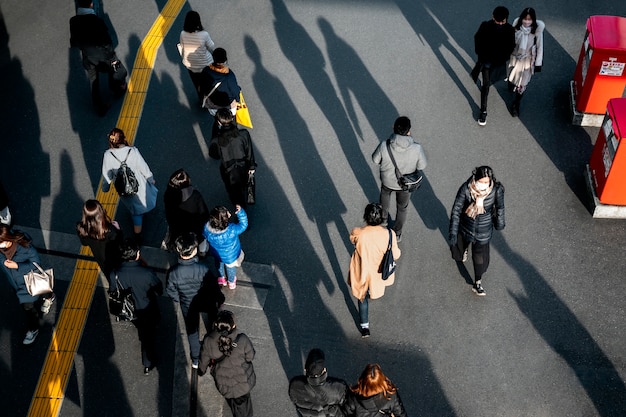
x=364, y=310
x=230, y=272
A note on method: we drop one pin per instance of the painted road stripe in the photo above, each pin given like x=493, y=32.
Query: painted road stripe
x=50, y=391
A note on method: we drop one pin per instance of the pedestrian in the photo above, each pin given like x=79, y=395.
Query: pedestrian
x=145, y=198
x=145, y=286
x=233, y=148
x=224, y=244
x=194, y=288
x=17, y=254
x=90, y=33
x=364, y=277
x=196, y=52
x=493, y=43
x=5, y=213
x=527, y=57
x=226, y=93
x=478, y=208
x=375, y=395
x=315, y=394
x=409, y=157
x=102, y=235
x=229, y=352
x=185, y=209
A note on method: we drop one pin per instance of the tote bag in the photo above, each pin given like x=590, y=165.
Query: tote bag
x=39, y=281
x=243, y=114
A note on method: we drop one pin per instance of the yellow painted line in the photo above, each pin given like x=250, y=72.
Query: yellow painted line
x=48, y=397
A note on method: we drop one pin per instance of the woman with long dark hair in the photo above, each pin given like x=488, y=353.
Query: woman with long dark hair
x=527, y=57
x=101, y=234
x=233, y=147
x=185, y=209
x=478, y=208
x=196, y=52
x=374, y=395
x=231, y=353
x=17, y=255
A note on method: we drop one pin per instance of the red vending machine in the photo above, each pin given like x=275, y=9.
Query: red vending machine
x=608, y=158
x=600, y=73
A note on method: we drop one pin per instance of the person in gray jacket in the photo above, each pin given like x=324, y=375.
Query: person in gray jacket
x=191, y=284
x=409, y=156
x=230, y=354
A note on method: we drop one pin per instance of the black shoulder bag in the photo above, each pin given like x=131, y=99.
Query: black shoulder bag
x=388, y=264
x=408, y=182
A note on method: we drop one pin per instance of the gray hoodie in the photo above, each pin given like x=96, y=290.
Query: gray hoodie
x=409, y=156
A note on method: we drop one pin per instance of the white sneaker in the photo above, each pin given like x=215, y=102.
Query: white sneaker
x=47, y=303
x=30, y=337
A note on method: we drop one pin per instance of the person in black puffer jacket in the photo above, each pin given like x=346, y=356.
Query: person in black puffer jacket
x=374, y=395
x=316, y=394
x=477, y=209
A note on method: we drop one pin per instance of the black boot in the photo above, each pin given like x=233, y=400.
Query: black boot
x=515, y=105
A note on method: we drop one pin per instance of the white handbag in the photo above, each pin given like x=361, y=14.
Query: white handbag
x=39, y=281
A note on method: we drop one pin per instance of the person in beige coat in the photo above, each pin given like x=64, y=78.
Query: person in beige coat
x=370, y=244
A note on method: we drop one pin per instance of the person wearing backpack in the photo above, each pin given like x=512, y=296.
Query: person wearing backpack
x=124, y=166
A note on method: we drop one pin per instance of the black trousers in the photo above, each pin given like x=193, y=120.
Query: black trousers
x=480, y=255
x=147, y=325
x=241, y=406
x=490, y=75
x=32, y=316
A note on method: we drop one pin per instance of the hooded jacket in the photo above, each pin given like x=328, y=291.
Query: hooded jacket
x=477, y=229
x=322, y=396
x=375, y=406
x=409, y=156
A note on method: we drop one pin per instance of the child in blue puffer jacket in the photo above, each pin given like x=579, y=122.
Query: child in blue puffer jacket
x=224, y=244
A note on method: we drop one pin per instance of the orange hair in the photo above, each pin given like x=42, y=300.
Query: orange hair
x=372, y=381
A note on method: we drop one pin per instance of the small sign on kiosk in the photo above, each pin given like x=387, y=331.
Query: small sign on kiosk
x=600, y=74
x=607, y=166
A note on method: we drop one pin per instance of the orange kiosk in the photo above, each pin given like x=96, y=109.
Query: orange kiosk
x=608, y=158
x=601, y=70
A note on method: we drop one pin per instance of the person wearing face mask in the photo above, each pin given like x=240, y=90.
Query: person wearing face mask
x=17, y=255
x=493, y=43
x=527, y=57
x=477, y=209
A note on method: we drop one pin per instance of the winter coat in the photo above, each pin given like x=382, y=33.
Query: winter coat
x=234, y=375
x=143, y=281
x=224, y=244
x=375, y=406
x=237, y=157
x=107, y=250
x=24, y=257
x=409, y=156
x=370, y=246
x=185, y=280
x=145, y=199
x=185, y=211
x=477, y=229
x=323, y=396
x=494, y=43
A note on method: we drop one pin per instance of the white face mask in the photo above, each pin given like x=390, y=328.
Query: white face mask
x=527, y=22
x=481, y=186
x=4, y=245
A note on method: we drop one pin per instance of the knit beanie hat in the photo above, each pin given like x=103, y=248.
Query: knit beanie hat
x=315, y=363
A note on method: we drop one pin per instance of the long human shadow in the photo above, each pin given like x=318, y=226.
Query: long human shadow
x=27, y=163
x=309, y=61
x=353, y=78
x=544, y=109
x=564, y=333
x=315, y=187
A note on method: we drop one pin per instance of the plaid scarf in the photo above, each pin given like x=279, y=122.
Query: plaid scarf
x=476, y=207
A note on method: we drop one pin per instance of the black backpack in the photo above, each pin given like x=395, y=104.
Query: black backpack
x=125, y=182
